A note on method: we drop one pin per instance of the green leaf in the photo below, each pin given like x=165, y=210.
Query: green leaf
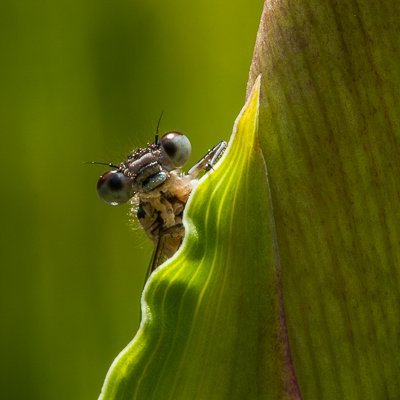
x=330, y=132
x=212, y=325
x=287, y=283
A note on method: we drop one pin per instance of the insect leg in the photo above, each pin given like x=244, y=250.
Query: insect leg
x=148, y=218
x=208, y=161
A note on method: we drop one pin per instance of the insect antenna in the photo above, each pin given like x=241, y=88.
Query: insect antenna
x=158, y=126
x=102, y=163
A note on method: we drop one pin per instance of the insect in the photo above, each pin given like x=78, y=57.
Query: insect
x=151, y=179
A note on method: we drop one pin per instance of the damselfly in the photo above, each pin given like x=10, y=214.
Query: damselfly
x=151, y=179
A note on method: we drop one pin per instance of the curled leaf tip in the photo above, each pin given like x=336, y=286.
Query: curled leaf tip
x=211, y=326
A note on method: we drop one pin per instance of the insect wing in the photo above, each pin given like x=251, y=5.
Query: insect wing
x=167, y=244
x=158, y=256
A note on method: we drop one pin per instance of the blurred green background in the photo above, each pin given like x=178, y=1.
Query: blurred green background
x=86, y=80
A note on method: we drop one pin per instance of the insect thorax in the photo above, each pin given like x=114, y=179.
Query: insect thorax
x=161, y=209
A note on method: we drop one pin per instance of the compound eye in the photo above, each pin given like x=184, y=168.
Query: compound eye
x=114, y=188
x=177, y=147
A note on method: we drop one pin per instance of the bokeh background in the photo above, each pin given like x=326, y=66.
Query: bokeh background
x=86, y=80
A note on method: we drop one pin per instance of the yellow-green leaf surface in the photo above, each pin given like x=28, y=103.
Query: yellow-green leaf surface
x=287, y=284
x=330, y=134
x=213, y=325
